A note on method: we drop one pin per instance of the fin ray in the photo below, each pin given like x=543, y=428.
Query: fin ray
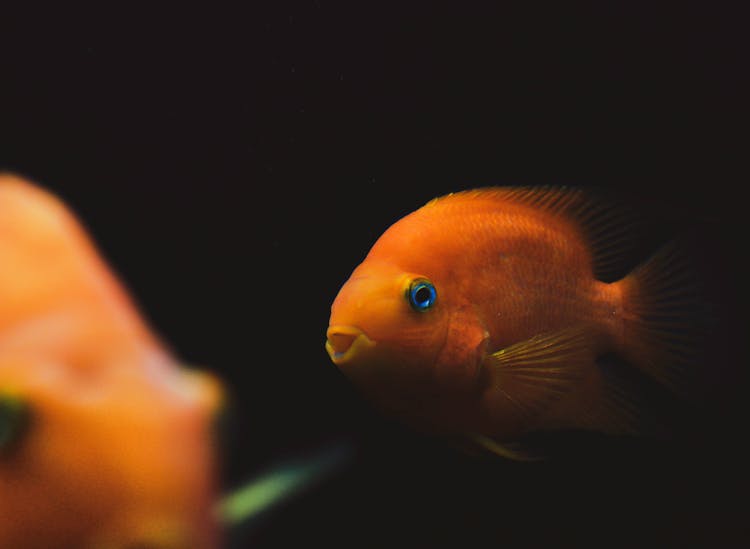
x=665, y=319
x=605, y=225
x=532, y=374
x=514, y=451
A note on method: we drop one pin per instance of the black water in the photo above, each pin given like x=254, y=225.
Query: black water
x=235, y=166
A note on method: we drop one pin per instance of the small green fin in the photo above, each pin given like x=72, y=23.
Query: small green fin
x=281, y=483
x=515, y=451
x=534, y=373
x=13, y=417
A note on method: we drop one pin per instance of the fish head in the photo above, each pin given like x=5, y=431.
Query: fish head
x=387, y=328
x=118, y=456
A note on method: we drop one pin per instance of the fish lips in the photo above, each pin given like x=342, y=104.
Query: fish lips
x=345, y=343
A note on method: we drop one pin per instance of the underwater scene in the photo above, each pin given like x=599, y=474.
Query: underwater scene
x=337, y=275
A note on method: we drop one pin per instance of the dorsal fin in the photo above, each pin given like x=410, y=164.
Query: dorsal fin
x=605, y=225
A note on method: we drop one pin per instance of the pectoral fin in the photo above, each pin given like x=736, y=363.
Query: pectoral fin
x=528, y=377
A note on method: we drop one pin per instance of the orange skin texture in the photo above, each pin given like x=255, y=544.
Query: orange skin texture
x=504, y=272
x=118, y=449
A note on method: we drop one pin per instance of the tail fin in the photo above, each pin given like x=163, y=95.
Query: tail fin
x=666, y=318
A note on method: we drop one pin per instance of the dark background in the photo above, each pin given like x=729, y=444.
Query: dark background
x=235, y=165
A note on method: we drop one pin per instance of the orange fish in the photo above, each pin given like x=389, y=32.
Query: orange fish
x=480, y=313
x=104, y=441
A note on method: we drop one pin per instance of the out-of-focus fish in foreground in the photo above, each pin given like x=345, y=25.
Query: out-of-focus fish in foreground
x=480, y=313
x=105, y=442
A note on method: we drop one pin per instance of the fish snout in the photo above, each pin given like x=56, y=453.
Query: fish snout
x=340, y=341
x=345, y=342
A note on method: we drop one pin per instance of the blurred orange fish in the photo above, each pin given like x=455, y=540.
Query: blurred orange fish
x=106, y=442
x=480, y=314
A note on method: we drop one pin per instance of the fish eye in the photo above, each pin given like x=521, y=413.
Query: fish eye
x=421, y=294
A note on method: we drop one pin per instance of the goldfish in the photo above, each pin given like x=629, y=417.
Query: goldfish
x=105, y=439
x=481, y=315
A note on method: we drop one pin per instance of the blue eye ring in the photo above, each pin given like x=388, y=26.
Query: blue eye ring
x=421, y=294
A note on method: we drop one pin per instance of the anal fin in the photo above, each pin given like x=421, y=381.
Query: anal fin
x=630, y=403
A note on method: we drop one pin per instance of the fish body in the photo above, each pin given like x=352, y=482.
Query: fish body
x=116, y=446
x=514, y=321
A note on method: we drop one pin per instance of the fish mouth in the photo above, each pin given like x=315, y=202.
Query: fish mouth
x=345, y=342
